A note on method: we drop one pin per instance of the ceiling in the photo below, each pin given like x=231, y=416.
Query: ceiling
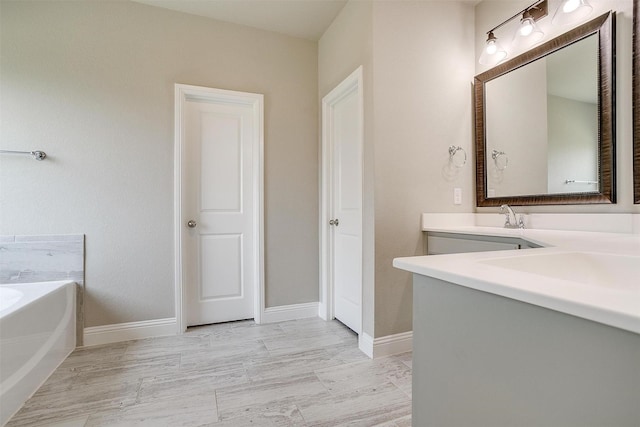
x=306, y=19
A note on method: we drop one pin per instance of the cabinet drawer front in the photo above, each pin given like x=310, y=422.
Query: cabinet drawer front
x=444, y=245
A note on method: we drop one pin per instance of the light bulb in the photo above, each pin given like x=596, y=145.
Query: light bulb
x=493, y=53
x=570, y=5
x=528, y=33
x=571, y=11
x=526, y=27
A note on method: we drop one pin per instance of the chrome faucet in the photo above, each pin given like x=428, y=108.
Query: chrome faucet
x=508, y=213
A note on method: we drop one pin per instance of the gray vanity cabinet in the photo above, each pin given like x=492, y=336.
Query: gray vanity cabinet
x=439, y=243
x=485, y=360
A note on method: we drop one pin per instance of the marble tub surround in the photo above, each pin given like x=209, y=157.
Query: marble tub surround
x=40, y=258
x=228, y=375
x=28, y=259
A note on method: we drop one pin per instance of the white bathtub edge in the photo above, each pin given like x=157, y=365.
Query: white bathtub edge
x=24, y=380
x=107, y=334
x=41, y=384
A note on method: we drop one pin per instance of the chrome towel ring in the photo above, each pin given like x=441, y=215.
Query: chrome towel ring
x=457, y=156
x=500, y=159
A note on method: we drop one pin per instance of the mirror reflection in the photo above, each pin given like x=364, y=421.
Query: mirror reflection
x=541, y=136
x=541, y=123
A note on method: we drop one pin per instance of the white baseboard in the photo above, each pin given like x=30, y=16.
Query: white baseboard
x=129, y=331
x=322, y=310
x=372, y=347
x=365, y=344
x=290, y=312
x=385, y=346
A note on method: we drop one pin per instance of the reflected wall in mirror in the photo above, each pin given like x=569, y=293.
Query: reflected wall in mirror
x=636, y=102
x=550, y=137
x=545, y=122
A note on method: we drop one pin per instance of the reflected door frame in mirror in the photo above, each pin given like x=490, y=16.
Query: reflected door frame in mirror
x=604, y=27
x=636, y=102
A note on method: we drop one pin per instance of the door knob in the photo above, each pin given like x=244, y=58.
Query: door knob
x=335, y=222
x=191, y=224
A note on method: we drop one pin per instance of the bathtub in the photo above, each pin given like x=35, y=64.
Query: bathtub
x=37, y=332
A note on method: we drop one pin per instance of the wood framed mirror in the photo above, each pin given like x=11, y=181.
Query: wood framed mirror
x=636, y=102
x=553, y=146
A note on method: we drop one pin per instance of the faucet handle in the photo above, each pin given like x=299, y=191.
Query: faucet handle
x=507, y=216
x=521, y=221
x=508, y=213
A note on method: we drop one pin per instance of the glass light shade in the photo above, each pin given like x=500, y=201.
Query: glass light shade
x=493, y=52
x=528, y=33
x=571, y=11
x=526, y=27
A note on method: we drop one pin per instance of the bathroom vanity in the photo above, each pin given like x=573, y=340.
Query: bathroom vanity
x=454, y=243
x=542, y=337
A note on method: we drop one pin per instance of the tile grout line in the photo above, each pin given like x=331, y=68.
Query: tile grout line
x=215, y=401
x=304, y=420
x=323, y=384
x=400, y=389
x=137, y=399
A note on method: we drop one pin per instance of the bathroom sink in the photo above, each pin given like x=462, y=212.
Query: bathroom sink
x=615, y=272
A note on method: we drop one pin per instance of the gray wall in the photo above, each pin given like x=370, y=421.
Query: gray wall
x=507, y=114
x=423, y=65
x=91, y=84
x=345, y=46
x=573, y=138
x=418, y=65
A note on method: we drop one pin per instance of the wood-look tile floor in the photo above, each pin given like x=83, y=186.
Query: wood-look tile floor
x=299, y=373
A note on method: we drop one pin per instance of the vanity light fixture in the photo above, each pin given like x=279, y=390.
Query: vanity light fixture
x=527, y=34
x=493, y=52
x=571, y=11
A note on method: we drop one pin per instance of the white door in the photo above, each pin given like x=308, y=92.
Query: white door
x=342, y=127
x=220, y=202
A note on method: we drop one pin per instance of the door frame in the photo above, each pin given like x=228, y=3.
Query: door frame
x=326, y=307
x=184, y=93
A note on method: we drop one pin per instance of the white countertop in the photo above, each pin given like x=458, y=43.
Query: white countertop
x=613, y=306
